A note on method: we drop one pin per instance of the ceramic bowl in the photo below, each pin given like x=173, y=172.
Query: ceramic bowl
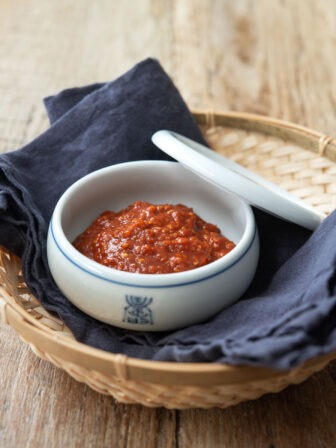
x=150, y=302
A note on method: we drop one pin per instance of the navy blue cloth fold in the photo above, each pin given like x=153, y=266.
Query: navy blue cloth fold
x=287, y=316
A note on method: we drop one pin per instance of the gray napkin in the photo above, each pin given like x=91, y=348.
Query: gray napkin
x=287, y=316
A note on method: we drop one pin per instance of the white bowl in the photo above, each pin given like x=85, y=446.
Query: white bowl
x=150, y=302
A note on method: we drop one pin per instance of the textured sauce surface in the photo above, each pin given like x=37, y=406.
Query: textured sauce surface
x=153, y=239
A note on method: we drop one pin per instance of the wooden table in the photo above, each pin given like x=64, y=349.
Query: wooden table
x=275, y=57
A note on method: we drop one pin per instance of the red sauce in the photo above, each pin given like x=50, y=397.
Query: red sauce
x=153, y=239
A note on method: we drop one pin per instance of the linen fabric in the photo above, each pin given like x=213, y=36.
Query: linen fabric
x=288, y=314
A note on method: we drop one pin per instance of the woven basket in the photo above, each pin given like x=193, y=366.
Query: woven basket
x=298, y=159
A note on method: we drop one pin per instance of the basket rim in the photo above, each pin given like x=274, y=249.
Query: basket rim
x=310, y=139
x=136, y=369
x=58, y=346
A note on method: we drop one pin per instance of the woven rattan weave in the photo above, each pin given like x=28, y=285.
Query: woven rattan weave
x=298, y=159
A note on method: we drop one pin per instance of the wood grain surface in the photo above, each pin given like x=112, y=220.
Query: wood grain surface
x=275, y=57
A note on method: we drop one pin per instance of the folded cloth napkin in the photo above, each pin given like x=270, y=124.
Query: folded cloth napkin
x=287, y=316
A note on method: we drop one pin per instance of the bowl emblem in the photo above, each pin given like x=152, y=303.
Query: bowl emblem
x=138, y=311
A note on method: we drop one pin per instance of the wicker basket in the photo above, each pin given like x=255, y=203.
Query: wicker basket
x=298, y=159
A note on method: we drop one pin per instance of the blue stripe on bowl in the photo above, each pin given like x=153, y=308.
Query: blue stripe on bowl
x=150, y=286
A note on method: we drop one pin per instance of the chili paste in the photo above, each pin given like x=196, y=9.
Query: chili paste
x=153, y=239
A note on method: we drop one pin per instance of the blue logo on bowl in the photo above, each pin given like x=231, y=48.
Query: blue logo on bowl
x=138, y=311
